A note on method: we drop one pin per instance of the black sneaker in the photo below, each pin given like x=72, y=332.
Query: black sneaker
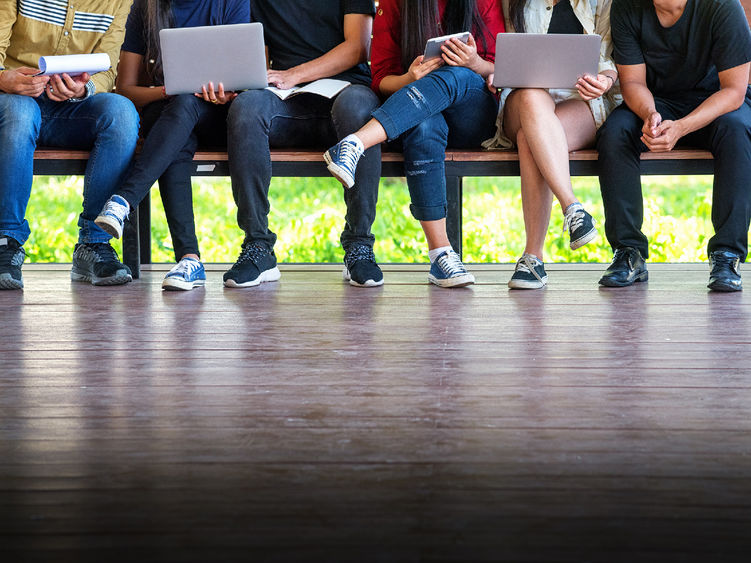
x=98, y=264
x=255, y=265
x=579, y=224
x=627, y=268
x=12, y=256
x=724, y=275
x=529, y=273
x=360, y=268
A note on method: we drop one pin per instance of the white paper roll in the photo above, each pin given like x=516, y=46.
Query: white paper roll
x=73, y=64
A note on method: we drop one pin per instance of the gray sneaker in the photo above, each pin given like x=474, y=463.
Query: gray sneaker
x=98, y=264
x=11, y=259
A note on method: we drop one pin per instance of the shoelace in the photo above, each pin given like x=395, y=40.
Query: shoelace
x=185, y=267
x=252, y=253
x=357, y=253
x=349, y=155
x=102, y=251
x=114, y=208
x=573, y=220
x=527, y=264
x=621, y=254
x=451, y=264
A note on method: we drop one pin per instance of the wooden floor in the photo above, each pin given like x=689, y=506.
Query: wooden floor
x=308, y=420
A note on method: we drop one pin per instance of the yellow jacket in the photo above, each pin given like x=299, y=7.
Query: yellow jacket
x=30, y=29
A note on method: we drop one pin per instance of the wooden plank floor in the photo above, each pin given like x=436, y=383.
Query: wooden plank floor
x=308, y=420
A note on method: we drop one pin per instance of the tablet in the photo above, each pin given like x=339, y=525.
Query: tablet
x=541, y=60
x=433, y=46
x=231, y=54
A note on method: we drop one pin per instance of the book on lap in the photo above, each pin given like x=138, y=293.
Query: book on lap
x=326, y=87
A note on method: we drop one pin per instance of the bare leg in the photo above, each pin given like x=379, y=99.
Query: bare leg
x=371, y=134
x=435, y=233
x=537, y=199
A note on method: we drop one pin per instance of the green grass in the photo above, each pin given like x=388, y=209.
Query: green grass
x=308, y=214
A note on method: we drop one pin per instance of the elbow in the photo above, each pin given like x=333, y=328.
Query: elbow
x=739, y=99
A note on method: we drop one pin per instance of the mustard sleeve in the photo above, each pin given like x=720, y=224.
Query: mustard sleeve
x=110, y=43
x=8, y=15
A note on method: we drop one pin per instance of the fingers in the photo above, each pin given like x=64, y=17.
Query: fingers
x=58, y=89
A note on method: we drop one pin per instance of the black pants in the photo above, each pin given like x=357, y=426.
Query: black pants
x=172, y=129
x=728, y=138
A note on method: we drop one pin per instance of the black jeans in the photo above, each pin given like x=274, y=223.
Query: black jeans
x=728, y=138
x=172, y=129
x=258, y=120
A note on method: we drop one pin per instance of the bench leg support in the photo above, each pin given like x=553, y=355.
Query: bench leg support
x=454, y=211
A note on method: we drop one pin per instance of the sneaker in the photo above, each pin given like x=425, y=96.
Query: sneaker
x=12, y=256
x=360, y=268
x=341, y=160
x=113, y=216
x=529, y=273
x=580, y=226
x=448, y=271
x=98, y=264
x=255, y=265
x=185, y=275
x=628, y=267
x=725, y=275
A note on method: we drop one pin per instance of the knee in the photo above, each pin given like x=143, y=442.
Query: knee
x=20, y=119
x=621, y=130
x=118, y=116
x=533, y=101
x=249, y=110
x=431, y=131
x=732, y=128
x=354, y=106
x=184, y=103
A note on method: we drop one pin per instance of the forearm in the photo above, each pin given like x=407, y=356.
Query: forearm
x=638, y=98
x=394, y=83
x=721, y=102
x=339, y=59
x=142, y=96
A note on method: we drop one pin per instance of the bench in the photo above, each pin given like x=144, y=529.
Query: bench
x=304, y=164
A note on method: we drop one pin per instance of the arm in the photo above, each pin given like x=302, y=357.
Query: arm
x=351, y=52
x=128, y=73
x=110, y=43
x=592, y=87
x=8, y=15
x=21, y=80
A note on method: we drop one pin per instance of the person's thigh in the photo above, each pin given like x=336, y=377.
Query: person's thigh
x=578, y=123
x=516, y=101
x=472, y=121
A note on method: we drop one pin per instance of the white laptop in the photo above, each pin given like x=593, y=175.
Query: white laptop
x=231, y=54
x=542, y=60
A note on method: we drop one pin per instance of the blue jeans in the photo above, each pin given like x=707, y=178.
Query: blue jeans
x=450, y=107
x=258, y=119
x=173, y=129
x=105, y=124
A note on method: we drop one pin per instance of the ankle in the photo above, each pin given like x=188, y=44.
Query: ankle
x=436, y=252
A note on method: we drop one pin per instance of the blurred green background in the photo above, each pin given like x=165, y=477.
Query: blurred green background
x=308, y=214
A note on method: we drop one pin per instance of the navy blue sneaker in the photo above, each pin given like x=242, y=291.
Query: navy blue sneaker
x=448, y=271
x=255, y=265
x=12, y=256
x=580, y=226
x=725, y=274
x=185, y=275
x=113, y=215
x=342, y=159
x=360, y=267
x=98, y=264
x=529, y=273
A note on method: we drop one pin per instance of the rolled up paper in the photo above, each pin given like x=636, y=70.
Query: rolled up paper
x=73, y=65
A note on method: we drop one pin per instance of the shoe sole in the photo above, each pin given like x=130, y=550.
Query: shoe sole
x=524, y=284
x=171, y=284
x=610, y=283
x=581, y=241
x=120, y=278
x=109, y=226
x=369, y=283
x=459, y=281
x=268, y=276
x=9, y=282
x=724, y=288
x=337, y=171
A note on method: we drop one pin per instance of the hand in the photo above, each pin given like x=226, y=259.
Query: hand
x=283, y=79
x=63, y=87
x=420, y=67
x=216, y=97
x=489, y=83
x=592, y=87
x=668, y=133
x=22, y=81
x=458, y=53
x=649, y=128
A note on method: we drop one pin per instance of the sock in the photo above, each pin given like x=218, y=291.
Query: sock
x=356, y=140
x=573, y=206
x=436, y=252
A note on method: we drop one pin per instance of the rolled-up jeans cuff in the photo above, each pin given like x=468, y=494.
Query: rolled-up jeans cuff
x=386, y=122
x=433, y=213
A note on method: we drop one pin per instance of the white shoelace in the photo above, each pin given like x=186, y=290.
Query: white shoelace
x=185, y=267
x=573, y=220
x=451, y=264
x=527, y=264
x=116, y=210
x=350, y=155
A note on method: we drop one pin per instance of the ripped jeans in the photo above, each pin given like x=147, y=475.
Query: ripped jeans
x=450, y=107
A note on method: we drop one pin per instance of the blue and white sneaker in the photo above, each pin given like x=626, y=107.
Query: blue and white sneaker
x=342, y=159
x=113, y=215
x=448, y=271
x=187, y=274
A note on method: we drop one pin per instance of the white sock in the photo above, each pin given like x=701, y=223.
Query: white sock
x=355, y=139
x=436, y=252
x=573, y=206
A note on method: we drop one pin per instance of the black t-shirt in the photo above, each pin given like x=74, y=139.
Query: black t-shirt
x=297, y=31
x=682, y=60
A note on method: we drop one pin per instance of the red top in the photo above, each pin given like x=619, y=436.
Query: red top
x=386, y=53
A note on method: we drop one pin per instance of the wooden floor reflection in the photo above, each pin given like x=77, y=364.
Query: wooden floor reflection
x=308, y=420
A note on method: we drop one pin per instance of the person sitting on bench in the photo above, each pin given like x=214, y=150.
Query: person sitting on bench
x=75, y=112
x=684, y=70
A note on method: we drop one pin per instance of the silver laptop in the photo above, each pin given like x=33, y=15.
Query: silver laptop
x=541, y=60
x=231, y=54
